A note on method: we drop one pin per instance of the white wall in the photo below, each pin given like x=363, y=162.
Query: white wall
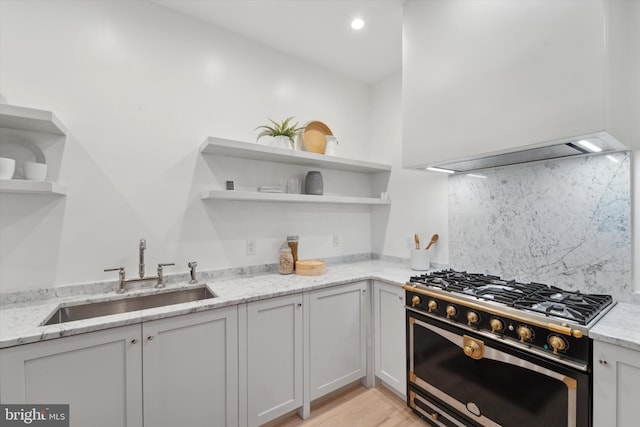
x=635, y=223
x=419, y=197
x=139, y=88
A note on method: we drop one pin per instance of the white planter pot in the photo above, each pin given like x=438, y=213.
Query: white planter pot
x=282, y=141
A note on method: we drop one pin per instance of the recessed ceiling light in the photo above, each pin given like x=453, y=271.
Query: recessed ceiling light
x=589, y=146
x=357, y=24
x=440, y=170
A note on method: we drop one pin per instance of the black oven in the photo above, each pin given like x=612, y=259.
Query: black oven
x=459, y=376
x=484, y=351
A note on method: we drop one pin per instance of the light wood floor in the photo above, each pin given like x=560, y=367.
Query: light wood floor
x=357, y=407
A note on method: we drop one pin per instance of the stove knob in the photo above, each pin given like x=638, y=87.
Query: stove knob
x=451, y=311
x=432, y=305
x=472, y=317
x=415, y=300
x=524, y=332
x=496, y=325
x=556, y=343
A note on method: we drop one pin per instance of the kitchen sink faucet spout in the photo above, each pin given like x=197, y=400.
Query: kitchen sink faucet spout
x=143, y=246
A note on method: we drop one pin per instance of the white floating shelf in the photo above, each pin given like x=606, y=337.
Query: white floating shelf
x=254, y=151
x=20, y=186
x=256, y=196
x=30, y=119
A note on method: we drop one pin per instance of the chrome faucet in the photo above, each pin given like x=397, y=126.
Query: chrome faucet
x=143, y=246
x=192, y=265
x=121, y=275
x=161, y=275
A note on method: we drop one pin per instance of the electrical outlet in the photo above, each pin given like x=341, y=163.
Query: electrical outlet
x=410, y=242
x=336, y=240
x=251, y=247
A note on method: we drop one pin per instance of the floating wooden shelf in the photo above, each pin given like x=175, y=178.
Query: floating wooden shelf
x=291, y=198
x=20, y=186
x=253, y=151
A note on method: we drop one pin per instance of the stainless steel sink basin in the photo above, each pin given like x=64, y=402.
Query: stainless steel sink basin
x=97, y=309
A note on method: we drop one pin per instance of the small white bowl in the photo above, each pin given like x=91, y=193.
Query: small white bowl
x=34, y=171
x=7, y=168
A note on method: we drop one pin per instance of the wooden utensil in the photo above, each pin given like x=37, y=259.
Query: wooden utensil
x=434, y=239
x=417, y=240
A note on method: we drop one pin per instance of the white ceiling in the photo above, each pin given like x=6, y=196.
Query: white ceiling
x=314, y=30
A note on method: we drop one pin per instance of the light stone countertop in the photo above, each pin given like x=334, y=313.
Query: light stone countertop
x=619, y=326
x=21, y=323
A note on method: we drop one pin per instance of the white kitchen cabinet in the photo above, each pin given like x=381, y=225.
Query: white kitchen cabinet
x=186, y=367
x=337, y=337
x=389, y=336
x=274, y=358
x=99, y=374
x=616, y=375
x=489, y=76
x=190, y=369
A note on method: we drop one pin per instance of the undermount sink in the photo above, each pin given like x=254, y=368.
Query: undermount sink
x=97, y=309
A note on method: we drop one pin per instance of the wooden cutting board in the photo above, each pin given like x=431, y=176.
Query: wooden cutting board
x=311, y=267
x=313, y=137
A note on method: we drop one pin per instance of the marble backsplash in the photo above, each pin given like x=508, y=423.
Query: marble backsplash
x=561, y=222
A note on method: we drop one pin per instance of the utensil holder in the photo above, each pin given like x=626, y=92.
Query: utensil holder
x=420, y=259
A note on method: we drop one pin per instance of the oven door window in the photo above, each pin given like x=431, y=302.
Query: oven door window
x=488, y=385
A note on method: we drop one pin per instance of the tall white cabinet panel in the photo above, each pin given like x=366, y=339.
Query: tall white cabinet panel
x=274, y=347
x=98, y=374
x=485, y=76
x=191, y=369
x=337, y=337
x=389, y=336
x=616, y=395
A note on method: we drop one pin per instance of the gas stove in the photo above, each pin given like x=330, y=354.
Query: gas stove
x=550, y=301
x=484, y=351
x=537, y=316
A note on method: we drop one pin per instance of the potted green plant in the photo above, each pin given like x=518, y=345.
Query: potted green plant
x=282, y=132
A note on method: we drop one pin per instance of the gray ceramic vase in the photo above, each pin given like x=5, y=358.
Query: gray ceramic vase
x=313, y=183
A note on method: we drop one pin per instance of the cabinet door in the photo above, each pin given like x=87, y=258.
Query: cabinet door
x=389, y=336
x=616, y=375
x=99, y=374
x=337, y=337
x=274, y=347
x=191, y=370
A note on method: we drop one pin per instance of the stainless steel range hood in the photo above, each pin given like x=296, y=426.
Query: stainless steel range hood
x=597, y=143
